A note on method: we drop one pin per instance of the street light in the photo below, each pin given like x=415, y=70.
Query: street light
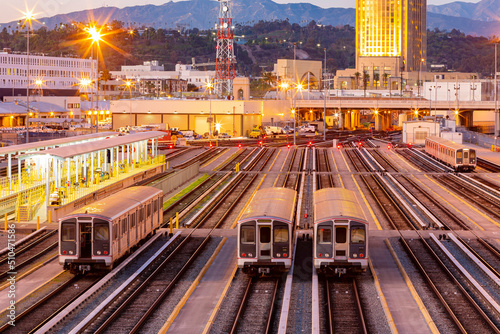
x=28, y=16
x=210, y=85
x=95, y=37
x=419, y=75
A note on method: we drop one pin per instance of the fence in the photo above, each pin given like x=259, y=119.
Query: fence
x=479, y=139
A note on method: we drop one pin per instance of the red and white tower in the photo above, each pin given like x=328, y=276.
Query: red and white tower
x=224, y=66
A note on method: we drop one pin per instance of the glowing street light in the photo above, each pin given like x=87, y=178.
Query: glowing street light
x=210, y=86
x=95, y=36
x=28, y=17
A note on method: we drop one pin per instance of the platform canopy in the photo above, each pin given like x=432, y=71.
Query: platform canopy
x=47, y=144
x=66, y=152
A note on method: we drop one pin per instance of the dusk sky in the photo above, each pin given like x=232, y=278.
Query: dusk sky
x=44, y=8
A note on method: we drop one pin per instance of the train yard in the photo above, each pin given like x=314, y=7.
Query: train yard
x=439, y=227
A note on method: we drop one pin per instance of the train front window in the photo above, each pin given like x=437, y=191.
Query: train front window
x=324, y=235
x=340, y=235
x=472, y=154
x=248, y=235
x=101, y=231
x=357, y=236
x=459, y=154
x=280, y=234
x=68, y=230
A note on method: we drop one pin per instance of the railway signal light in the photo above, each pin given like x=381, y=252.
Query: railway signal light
x=338, y=146
x=388, y=147
x=260, y=143
x=288, y=145
x=239, y=145
x=211, y=145
x=171, y=146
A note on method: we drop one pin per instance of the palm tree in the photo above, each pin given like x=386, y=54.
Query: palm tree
x=366, y=80
x=357, y=75
x=376, y=80
x=385, y=76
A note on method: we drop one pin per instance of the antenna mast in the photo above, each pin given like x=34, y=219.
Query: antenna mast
x=224, y=67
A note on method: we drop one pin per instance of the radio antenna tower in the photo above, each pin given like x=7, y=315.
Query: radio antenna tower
x=224, y=65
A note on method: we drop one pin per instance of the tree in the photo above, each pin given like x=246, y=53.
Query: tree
x=376, y=79
x=385, y=76
x=357, y=75
x=366, y=80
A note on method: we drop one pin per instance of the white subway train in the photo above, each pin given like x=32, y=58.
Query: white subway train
x=340, y=232
x=266, y=231
x=460, y=158
x=96, y=235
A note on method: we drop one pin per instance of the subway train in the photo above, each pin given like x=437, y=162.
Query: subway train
x=95, y=236
x=266, y=232
x=458, y=157
x=340, y=232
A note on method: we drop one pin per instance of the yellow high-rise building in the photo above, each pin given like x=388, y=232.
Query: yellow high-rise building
x=390, y=39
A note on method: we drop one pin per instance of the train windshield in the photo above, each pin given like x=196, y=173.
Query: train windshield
x=357, y=236
x=459, y=154
x=280, y=234
x=340, y=235
x=472, y=154
x=101, y=231
x=325, y=235
x=68, y=230
x=248, y=234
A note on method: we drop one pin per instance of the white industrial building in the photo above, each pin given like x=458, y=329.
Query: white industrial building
x=59, y=76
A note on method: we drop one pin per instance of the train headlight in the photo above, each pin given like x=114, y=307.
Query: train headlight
x=354, y=255
x=327, y=255
x=278, y=255
x=250, y=255
x=70, y=252
x=98, y=252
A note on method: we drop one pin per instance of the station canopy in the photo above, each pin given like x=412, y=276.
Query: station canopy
x=95, y=146
x=46, y=144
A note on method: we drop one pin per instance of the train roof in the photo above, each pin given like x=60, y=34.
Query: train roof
x=449, y=143
x=331, y=203
x=116, y=204
x=273, y=203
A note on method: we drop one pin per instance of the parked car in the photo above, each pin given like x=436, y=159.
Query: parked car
x=224, y=135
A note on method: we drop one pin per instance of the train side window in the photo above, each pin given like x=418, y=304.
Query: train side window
x=101, y=231
x=155, y=206
x=132, y=220
x=68, y=232
x=124, y=225
x=340, y=234
x=357, y=236
x=115, y=231
x=324, y=235
x=280, y=234
x=149, y=209
x=141, y=214
x=248, y=235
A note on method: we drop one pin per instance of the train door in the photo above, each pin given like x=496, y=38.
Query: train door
x=85, y=240
x=466, y=157
x=264, y=240
x=341, y=246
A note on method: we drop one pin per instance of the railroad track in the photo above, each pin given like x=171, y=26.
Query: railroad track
x=488, y=165
x=461, y=307
x=215, y=214
x=43, y=310
x=396, y=217
x=36, y=249
x=291, y=178
x=344, y=309
x=256, y=309
x=323, y=170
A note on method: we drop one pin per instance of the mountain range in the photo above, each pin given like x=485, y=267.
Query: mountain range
x=480, y=19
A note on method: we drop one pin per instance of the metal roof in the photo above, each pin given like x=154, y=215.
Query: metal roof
x=98, y=145
x=118, y=203
x=271, y=203
x=53, y=142
x=331, y=203
x=449, y=143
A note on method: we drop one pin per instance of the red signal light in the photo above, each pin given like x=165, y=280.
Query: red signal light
x=388, y=147
x=171, y=147
x=239, y=145
x=338, y=146
x=359, y=143
x=288, y=146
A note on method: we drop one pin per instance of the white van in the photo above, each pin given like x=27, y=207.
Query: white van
x=273, y=130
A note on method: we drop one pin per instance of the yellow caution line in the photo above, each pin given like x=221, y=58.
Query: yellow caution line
x=367, y=205
x=37, y=288
x=248, y=202
x=217, y=307
x=279, y=151
x=346, y=164
x=383, y=301
x=337, y=168
x=413, y=292
x=470, y=206
x=444, y=200
x=190, y=291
